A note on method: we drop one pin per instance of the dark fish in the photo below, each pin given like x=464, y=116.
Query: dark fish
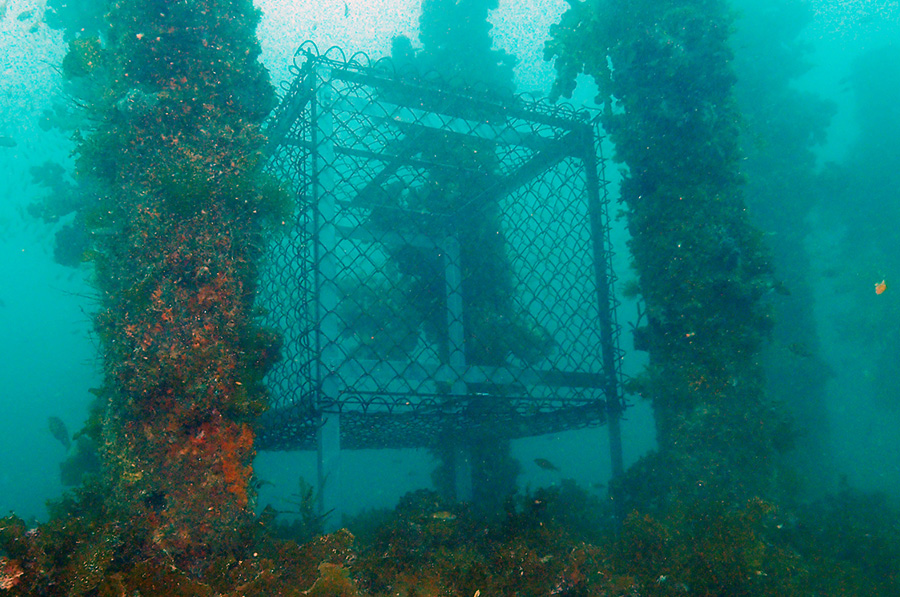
x=25, y=14
x=545, y=464
x=7, y=142
x=59, y=431
x=781, y=288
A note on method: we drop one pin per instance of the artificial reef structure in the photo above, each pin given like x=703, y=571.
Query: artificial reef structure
x=177, y=210
x=447, y=281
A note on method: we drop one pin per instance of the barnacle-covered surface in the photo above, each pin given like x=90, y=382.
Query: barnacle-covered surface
x=173, y=209
x=666, y=80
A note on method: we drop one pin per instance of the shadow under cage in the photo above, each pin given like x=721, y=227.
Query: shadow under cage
x=447, y=272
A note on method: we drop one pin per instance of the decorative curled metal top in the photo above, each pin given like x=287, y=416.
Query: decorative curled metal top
x=412, y=76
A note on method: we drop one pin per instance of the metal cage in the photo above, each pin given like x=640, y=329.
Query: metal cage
x=448, y=268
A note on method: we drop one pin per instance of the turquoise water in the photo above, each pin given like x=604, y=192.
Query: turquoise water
x=48, y=360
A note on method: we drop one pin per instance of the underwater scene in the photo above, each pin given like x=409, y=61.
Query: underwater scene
x=450, y=298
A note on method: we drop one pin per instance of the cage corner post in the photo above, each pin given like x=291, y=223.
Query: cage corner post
x=598, y=205
x=328, y=451
x=462, y=464
x=328, y=434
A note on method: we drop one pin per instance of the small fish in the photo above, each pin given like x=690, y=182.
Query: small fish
x=25, y=14
x=59, y=431
x=7, y=142
x=545, y=464
x=880, y=287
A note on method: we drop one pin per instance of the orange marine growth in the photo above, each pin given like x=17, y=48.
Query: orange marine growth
x=880, y=287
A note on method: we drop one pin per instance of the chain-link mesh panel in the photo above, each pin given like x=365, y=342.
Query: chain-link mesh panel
x=448, y=267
